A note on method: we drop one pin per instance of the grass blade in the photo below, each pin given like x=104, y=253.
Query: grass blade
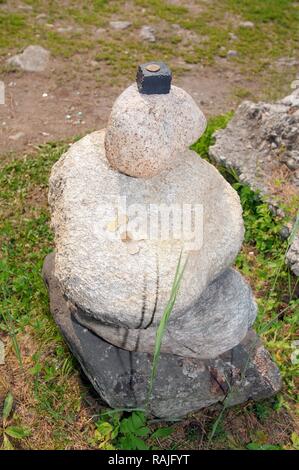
x=8, y=402
x=164, y=321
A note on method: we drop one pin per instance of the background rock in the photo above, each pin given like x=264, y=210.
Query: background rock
x=246, y=24
x=32, y=59
x=147, y=33
x=260, y=141
x=120, y=24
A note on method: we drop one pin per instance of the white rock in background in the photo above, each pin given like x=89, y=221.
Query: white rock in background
x=32, y=59
x=233, y=37
x=119, y=25
x=65, y=29
x=232, y=53
x=99, y=32
x=169, y=122
x=247, y=24
x=17, y=136
x=147, y=33
x=260, y=141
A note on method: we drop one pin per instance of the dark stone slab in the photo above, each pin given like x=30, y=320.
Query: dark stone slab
x=151, y=80
x=182, y=384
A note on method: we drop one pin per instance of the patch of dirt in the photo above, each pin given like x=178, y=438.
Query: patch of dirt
x=43, y=107
x=58, y=104
x=246, y=427
x=213, y=87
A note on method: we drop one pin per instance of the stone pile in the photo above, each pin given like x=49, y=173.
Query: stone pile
x=112, y=272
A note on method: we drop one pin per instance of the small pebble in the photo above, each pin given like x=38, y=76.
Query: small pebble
x=147, y=33
x=291, y=164
x=99, y=31
x=25, y=7
x=246, y=24
x=66, y=29
x=42, y=16
x=119, y=25
x=16, y=136
x=233, y=37
x=284, y=233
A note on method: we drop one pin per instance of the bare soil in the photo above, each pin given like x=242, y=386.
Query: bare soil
x=58, y=105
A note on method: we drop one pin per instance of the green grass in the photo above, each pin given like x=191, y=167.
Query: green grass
x=25, y=240
x=161, y=329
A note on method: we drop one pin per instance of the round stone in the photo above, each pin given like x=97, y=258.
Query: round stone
x=146, y=132
x=153, y=67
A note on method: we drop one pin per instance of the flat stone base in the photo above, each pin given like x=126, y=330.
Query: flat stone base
x=182, y=384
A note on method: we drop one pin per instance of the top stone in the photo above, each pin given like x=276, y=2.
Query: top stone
x=151, y=124
x=153, y=78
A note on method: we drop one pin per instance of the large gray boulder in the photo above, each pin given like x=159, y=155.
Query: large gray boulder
x=182, y=385
x=218, y=321
x=126, y=281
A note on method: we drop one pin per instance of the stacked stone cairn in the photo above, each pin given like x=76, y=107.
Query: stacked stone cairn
x=126, y=203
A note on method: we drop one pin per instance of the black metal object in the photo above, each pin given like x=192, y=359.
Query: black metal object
x=153, y=78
